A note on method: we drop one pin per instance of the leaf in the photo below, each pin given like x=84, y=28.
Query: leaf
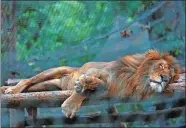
x=177, y=52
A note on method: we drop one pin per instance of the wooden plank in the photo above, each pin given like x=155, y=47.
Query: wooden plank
x=56, y=98
x=34, y=99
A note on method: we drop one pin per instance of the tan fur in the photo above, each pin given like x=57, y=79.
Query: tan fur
x=128, y=76
x=133, y=69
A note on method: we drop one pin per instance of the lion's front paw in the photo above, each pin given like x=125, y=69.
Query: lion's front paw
x=11, y=90
x=80, y=84
x=3, y=89
x=69, y=109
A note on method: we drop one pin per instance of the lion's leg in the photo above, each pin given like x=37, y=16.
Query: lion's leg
x=90, y=80
x=3, y=88
x=46, y=75
x=71, y=105
x=54, y=84
x=48, y=85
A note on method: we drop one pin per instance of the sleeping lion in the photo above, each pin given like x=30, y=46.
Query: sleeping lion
x=139, y=75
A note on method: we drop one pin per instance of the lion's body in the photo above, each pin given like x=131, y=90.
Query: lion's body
x=137, y=75
x=68, y=81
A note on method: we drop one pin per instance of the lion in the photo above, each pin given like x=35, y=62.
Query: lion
x=139, y=75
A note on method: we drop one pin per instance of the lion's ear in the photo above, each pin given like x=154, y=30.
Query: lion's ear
x=153, y=54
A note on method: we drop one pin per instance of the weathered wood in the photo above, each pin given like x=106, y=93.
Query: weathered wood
x=56, y=98
x=34, y=99
x=177, y=86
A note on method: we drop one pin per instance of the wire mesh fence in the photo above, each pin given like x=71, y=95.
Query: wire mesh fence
x=39, y=35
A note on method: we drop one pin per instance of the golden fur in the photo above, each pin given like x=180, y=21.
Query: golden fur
x=133, y=70
x=137, y=75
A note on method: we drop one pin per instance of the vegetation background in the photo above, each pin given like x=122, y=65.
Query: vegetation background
x=37, y=35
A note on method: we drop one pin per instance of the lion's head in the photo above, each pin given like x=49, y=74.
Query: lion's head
x=162, y=70
x=144, y=74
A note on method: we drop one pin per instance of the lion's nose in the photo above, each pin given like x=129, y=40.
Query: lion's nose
x=165, y=78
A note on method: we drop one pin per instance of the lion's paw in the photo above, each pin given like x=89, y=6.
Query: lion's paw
x=11, y=90
x=69, y=109
x=3, y=89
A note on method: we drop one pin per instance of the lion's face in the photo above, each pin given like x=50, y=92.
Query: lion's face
x=163, y=70
x=144, y=74
x=160, y=75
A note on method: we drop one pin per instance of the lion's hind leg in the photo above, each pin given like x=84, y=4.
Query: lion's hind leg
x=49, y=74
x=49, y=85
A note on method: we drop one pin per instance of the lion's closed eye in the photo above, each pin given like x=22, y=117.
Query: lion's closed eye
x=169, y=66
x=161, y=66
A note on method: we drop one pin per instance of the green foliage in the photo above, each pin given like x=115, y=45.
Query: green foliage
x=129, y=9
x=47, y=28
x=175, y=52
x=63, y=62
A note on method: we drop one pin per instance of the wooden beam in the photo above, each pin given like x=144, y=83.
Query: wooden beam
x=34, y=99
x=56, y=98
